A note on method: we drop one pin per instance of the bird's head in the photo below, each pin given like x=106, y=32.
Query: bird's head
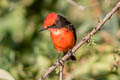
x=49, y=21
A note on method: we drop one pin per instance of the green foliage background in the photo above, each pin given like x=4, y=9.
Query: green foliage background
x=26, y=53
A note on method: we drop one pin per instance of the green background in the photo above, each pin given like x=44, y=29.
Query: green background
x=26, y=53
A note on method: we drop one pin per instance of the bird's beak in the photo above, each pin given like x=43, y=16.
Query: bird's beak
x=42, y=29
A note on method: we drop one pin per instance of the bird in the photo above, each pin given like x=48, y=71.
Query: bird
x=62, y=32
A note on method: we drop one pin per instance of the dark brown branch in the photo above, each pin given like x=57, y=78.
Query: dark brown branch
x=84, y=40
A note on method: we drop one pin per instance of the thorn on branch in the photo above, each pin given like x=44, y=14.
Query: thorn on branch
x=116, y=64
x=98, y=19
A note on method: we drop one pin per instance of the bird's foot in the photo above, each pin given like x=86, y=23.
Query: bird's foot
x=60, y=62
x=70, y=51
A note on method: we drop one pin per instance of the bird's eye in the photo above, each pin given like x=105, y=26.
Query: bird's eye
x=53, y=26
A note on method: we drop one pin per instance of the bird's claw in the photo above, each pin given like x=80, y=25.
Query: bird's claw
x=60, y=62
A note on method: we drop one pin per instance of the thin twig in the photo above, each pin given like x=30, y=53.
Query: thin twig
x=81, y=7
x=76, y=4
x=84, y=40
x=61, y=72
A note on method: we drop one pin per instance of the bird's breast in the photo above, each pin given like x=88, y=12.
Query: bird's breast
x=62, y=38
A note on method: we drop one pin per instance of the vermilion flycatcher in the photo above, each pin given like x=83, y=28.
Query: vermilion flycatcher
x=62, y=33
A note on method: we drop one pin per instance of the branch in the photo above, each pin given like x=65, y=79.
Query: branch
x=61, y=72
x=81, y=7
x=84, y=40
x=76, y=4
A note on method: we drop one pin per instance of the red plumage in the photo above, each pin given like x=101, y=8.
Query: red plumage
x=62, y=32
x=50, y=20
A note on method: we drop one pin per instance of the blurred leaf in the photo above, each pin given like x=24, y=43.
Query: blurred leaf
x=4, y=75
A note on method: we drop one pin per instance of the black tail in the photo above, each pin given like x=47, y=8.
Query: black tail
x=72, y=57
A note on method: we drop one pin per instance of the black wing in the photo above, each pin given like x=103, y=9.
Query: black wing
x=63, y=22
